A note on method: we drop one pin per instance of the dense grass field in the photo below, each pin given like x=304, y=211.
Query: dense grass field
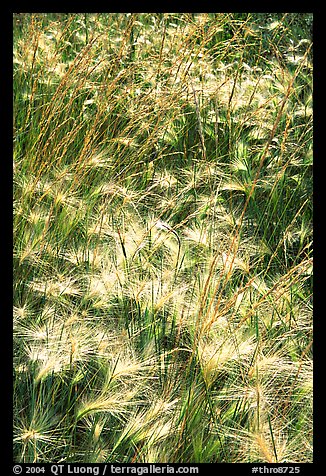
x=163, y=237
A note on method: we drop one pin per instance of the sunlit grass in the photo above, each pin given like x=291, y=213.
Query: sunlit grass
x=162, y=238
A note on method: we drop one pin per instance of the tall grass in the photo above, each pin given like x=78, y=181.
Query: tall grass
x=162, y=237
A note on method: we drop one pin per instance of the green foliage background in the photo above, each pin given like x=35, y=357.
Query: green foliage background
x=163, y=237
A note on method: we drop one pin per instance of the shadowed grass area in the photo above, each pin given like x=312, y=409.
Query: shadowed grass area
x=163, y=238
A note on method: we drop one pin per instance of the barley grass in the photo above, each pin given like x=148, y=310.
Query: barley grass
x=162, y=237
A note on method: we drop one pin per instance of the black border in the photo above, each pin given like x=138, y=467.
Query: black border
x=6, y=234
